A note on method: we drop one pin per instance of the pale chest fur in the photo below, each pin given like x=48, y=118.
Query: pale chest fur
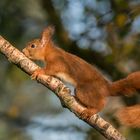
x=67, y=78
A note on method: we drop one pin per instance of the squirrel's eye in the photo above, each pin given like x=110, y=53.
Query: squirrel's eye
x=32, y=46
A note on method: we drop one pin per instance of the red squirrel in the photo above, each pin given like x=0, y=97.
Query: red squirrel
x=91, y=88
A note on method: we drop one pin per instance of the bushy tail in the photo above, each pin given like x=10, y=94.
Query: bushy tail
x=130, y=116
x=127, y=86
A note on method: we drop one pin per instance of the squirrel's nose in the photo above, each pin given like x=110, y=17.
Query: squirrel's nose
x=24, y=50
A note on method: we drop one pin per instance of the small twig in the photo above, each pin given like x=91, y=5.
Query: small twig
x=63, y=92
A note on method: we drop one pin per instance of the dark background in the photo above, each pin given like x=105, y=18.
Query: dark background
x=103, y=32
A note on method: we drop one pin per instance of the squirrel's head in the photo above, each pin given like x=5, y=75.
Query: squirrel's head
x=35, y=49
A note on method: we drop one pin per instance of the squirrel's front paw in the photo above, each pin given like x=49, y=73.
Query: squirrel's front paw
x=36, y=73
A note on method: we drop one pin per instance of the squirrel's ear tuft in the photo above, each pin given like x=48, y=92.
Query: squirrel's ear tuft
x=47, y=34
x=50, y=29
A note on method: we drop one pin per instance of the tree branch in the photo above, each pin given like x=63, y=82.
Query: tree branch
x=63, y=92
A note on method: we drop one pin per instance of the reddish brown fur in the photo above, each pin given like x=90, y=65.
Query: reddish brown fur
x=91, y=86
x=127, y=86
x=130, y=116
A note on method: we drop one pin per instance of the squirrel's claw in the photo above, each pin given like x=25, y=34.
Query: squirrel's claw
x=87, y=113
x=36, y=73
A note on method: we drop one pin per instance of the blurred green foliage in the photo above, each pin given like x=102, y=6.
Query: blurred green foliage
x=104, y=33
